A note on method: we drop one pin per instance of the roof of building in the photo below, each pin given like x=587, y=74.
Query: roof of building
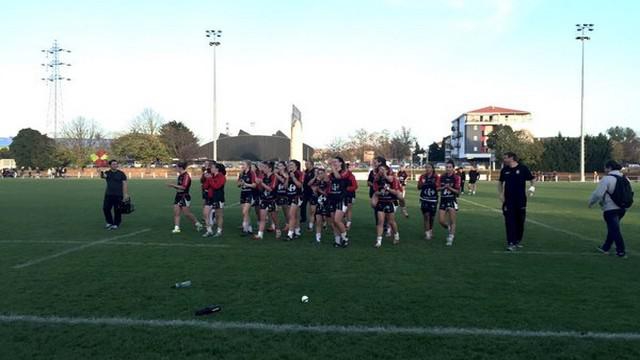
x=496, y=110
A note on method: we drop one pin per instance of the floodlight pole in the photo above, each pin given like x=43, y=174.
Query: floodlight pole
x=582, y=28
x=214, y=35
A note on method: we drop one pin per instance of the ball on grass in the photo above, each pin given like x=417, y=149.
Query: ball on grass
x=304, y=299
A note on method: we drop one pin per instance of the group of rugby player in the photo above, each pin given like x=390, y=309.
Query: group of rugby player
x=325, y=194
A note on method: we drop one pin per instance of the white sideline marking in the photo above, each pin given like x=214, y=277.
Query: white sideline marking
x=341, y=329
x=560, y=253
x=77, y=248
x=535, y=222
x=132, y=243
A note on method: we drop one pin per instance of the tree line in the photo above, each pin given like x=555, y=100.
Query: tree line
x=561, y=153
x=401, y=145
x=149, y=139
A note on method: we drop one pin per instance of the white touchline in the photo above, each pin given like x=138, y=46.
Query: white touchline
x=340, y=329
x=77, y=248
x=535, y=222
x=560, y=253
x=129, y=243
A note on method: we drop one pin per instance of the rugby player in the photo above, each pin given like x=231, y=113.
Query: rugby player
x=182, y=200
x=267, y=184
x=427, y=185
x=387, y=190
x=449, y=187
x=339, y=181
x=247, y=185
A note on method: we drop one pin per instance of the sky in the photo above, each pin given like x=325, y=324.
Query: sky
x=376, y=64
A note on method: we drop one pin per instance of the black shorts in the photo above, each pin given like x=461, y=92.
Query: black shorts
x=295, y=200
x=269, y=205
x=322, y=208
x=256, y=199
x=471, y=182
x=215, y=204
x=283, y=200
x=204, y=195
x=446, y=204
x=350, y=198
x=429, y=207
x=246, y=197
x=182, y=200
x=313, y=201
x=336, y=204
x=386, y=207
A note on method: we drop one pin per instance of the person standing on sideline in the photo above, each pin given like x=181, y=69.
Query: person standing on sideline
x=513, y=196
x=117, y=190
x=614, y=194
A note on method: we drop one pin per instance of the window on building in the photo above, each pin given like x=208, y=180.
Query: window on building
x=481, y=118
x=475, y=127
x=475, y=149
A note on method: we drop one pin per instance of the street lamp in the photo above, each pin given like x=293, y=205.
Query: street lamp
x=412, y=148
x=582, y=30
x=214, y=41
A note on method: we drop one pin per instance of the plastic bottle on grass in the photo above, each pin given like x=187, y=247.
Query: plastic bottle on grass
x=181, y=285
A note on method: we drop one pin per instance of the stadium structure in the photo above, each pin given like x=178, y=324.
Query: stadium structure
x=245, y=146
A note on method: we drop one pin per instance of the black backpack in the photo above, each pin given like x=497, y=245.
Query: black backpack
x=623, y=193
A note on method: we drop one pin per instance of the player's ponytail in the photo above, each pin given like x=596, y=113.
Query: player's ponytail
x=341, y=161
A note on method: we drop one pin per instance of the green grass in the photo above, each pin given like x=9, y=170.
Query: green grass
x=418, y=283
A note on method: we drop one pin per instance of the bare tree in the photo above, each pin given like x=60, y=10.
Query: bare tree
x=401, y=143
x=147, y=122
x=81, y=136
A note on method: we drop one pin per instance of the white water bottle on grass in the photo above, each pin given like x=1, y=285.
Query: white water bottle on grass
x=184, y=284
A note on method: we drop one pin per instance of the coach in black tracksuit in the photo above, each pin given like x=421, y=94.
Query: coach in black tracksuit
x=513, y=195
x=116, y=191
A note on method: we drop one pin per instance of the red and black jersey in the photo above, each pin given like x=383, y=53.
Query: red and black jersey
x=370, y=179
x=321, y=187
x=339, y=184
x=428, y=187
x=270, y=181
x=184, y=180
x=383, y=185
x=451, y=180
x=402, y=177
x=308, y=175
x=292, y=188
x=214, y=186
x=247, y=177
x=203, y=179
x=353, y=184
x=281, y=188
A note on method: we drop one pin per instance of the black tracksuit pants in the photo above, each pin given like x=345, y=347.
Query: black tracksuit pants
x=112, y=202
x=514, y=218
